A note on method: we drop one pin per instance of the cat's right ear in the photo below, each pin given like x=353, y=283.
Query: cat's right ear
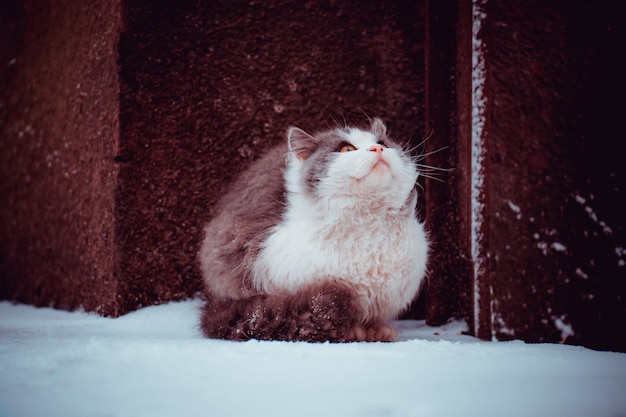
x=301, y=144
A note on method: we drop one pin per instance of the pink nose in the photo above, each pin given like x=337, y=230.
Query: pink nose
x=377, y=148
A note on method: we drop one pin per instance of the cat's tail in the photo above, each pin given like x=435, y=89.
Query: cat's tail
x=323, y=312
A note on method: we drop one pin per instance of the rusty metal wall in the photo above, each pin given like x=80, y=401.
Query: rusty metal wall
x=59, y=130
x=556, y=176
x=207, y=87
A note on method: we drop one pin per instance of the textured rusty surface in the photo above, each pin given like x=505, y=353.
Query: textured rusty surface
x=555, y=177
x=207, y=87
x=448, y=291
x=58, y=138
x=202, y=90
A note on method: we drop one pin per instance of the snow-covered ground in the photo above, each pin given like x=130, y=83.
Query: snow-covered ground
x=154, y=362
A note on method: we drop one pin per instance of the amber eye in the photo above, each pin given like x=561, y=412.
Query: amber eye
x=346, y=147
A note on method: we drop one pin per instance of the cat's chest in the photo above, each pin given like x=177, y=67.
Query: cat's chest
x=309, y=247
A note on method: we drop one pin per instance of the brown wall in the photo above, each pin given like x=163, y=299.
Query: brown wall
x=58, y=137
x=201, y=90
x=547, y=262
x=207, y=87
x=556, y=171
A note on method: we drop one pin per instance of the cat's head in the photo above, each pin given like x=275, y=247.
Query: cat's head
x=350, y=166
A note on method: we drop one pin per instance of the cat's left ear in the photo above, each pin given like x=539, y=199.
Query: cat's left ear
x=300, y=143
x=378, y=128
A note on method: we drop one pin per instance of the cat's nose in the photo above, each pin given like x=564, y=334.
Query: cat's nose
x=377, y=148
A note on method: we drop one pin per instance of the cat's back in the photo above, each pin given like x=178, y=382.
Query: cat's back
x=259, y=189
x=254, y=203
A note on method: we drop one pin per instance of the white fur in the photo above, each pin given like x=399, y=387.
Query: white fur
x=360, y=228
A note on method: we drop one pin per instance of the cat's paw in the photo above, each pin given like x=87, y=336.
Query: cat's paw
x=356, y=334
x=381, y=332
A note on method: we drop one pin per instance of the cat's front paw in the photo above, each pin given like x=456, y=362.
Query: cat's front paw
x=356, y=334
x=381, y=332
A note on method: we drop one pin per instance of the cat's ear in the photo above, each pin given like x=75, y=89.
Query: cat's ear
x=300, y=143
x=378, y=128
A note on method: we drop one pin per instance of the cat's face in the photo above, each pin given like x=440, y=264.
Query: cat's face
x=352, y=164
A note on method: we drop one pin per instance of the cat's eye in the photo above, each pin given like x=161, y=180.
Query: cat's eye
x=383, y=144
x=346, y=147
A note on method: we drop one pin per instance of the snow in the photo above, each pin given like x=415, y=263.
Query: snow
x=479, y=109
x=566, y=329
x=514, y=207
x=154, y=362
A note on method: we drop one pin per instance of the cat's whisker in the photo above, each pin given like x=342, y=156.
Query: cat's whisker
x=423, y=156
x=432, y=172
x=434, y=168
x=409, y=151
x=367, y=116
x=421, y=144
x=431, y=177
x=338, y=125
x=407, y=148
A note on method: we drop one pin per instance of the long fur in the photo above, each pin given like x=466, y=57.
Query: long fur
x=318, y=313
x=314, y=244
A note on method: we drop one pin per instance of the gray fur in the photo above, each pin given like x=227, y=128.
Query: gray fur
x=233, y=239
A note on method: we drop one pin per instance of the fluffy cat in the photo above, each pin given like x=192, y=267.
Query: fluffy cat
x=317, y=241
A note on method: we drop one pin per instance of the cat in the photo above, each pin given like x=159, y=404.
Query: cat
x=318, y=241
